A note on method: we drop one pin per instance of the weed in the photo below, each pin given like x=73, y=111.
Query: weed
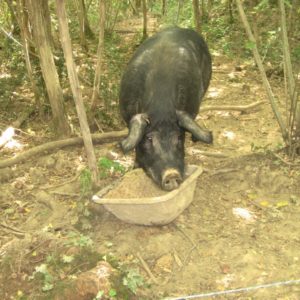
x=47, y=278
x=85, y=181
x=79, y=240
x=133, y=280
x=108, y=168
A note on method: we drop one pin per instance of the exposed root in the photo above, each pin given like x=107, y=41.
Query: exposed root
x=48, y=147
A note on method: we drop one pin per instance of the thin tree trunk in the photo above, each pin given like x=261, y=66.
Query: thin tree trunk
x=138, y=4
x=23, y=25
x=197, y=15
x=134, y=10
x=262, y=71
x=48, y=67
x=82, y=31
x=230, y=4
x=87, y=27
x=178, y=10
x=209, y=7
x=145, y=34
x=28, y=34
x=47, y=19
x=14, y=21
x=163, y=7
x=294, y=119
x=286, y=51
x=97, y=79
x=67, y=48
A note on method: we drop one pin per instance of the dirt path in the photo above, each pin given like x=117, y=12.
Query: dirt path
x=241, y=230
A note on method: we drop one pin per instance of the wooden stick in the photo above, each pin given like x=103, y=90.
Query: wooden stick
x=147, y=269
x=242, y=108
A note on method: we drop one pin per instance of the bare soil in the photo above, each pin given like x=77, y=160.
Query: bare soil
x=241, y=230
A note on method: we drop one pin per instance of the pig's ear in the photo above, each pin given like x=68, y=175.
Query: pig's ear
x=137, y=126
x=198, y=133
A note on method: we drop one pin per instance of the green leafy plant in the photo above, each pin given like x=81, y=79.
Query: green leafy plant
x=85, y=181
x=109, y=168
x=78, y=239
x=99, y=295
x=133, y=280
x=46, y=277
x=112, y=293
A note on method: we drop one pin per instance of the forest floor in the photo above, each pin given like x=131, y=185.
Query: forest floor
x=241, y=230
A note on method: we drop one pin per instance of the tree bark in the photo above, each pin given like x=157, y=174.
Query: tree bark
x=23, y=25
x=14, y=21
x=89, y=32
x=145, y=34
x=28, y=34
x=262, y=71
x=138, y=4
x=80, y=12
x=48, y=67
x=97, y=79
x=197, y=15
x=67, y=48
x=163, y=7
x=180, y=3
x=47, y=19
x=294, y=119
x=84, y=25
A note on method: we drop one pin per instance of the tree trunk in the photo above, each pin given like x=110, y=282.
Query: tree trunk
x=67, y=48
x=209, y=8
x=180, y=3
x=145, y=34
x=87, y=27
x=197, y=15
x=47, y=20
x=230, y=4
x=292, y=95
x=262, y=71
x=97, y=79
x=82, y=31
x=163, y=7
x=28, y=33
x=14, y=22
x=23, y=25
x=48, y=67
x=138, y=4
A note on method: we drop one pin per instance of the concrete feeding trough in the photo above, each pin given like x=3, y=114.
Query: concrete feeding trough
x=157, y=210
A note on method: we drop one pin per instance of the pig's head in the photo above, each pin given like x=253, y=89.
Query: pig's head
x=159, y=145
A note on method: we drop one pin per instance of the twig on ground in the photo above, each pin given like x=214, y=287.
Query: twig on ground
x=147, y=269
x=13, y=230
x=242, y=108
x=65, y=194
x=98, y=125
x=62, y=183
x=282, y=159
x=188, y=237
x=221, y=171
x=209, y=153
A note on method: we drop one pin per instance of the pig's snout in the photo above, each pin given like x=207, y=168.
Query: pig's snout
x=171, y=179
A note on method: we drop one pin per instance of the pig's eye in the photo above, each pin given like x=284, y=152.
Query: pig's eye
x=149, y=138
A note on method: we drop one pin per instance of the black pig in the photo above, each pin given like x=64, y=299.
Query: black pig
x=160, y=95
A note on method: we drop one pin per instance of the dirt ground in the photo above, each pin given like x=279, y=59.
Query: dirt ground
x=241, y=230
